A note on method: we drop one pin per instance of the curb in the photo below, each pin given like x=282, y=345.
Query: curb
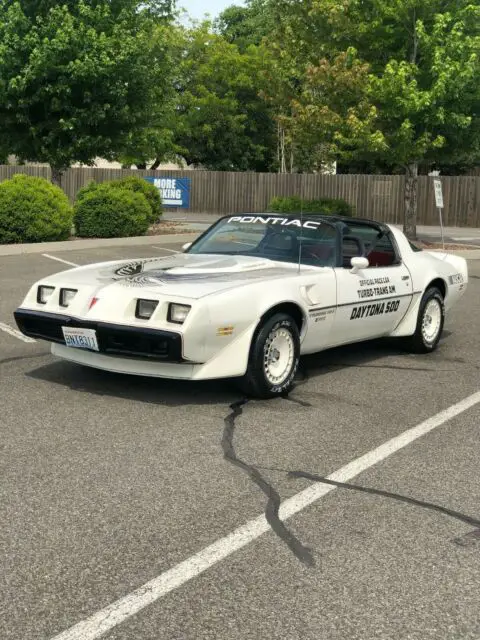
x=473, y=254
x=78, y=245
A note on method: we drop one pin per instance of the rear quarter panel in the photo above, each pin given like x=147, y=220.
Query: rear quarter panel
x=424, y=268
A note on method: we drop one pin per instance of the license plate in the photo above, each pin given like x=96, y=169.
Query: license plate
x=80, y=338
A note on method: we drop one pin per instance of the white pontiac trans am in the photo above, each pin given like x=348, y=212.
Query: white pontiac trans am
x=250, y=296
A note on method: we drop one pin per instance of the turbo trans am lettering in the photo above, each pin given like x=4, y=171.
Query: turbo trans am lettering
x=376, y=291
x=379, y=309
x=283, y=222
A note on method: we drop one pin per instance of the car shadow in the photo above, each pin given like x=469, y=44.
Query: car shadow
x=147, y=390
x=371, y=354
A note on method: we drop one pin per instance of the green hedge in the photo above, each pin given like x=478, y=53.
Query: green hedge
x=151, y=193
x=130, y=183
x=106, y=212
x=33, y=210
x=326, y=206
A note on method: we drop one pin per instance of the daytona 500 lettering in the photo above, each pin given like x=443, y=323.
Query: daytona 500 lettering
x=284, y=222
x=378, y=309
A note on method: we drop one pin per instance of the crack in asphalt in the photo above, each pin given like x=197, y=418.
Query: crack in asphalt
x=469, y=539
x=302, y=403
x=29, y=357
x=385, y=494
x=387, y=366
x=304, y=554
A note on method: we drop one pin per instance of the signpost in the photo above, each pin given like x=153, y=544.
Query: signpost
x=437, y=185
x=175, y=192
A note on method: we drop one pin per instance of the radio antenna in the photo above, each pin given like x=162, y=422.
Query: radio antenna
x=301, y=223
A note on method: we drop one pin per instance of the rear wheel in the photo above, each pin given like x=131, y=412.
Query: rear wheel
x=430, y=322
x=274, y=358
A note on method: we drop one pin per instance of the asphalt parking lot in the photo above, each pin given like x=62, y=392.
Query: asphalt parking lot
x=131, y=509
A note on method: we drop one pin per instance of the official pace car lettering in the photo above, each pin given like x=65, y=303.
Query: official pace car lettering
x=284, y=222
x=374, y=281
x=379, y=309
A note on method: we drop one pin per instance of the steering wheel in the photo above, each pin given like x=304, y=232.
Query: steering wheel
x=269, y=242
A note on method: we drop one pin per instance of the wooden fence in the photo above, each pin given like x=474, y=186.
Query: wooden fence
x=378, y=197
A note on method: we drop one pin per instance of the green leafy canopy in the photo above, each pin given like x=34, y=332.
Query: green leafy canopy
x=77, y=79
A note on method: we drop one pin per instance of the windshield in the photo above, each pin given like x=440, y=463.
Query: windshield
x=273, y=237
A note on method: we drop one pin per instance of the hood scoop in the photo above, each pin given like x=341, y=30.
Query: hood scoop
x=218, y=265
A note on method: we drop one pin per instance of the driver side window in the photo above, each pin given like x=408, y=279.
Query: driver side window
x=367, y=241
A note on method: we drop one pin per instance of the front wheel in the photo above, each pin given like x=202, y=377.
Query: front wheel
x=274, y=358
x=430, y=322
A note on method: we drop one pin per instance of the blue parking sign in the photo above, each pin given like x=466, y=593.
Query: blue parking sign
x=175, y=192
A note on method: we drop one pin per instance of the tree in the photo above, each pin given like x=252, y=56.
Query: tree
x=221, y=121
x=77, y=79
x=246, y=25
x=156, y=142
x=421, y=92
x=333, y=117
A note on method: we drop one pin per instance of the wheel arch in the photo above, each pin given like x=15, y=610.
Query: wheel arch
x=440, y=284
x=291, y=308
x=408, y=324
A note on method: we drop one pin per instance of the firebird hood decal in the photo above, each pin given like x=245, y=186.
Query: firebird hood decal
x=184, y=275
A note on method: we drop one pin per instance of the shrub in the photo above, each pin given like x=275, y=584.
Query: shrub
x=88, y=188
x=104, y=212
x=151, y=193
x=325, y=206
x=130, y=183
x=33, y=210
x=292, y=204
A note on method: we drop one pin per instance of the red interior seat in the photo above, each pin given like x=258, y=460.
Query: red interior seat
x=380, y=259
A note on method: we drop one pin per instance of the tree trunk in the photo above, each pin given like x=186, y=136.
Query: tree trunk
x=156, y=164
x=57, y=174
x=411, y=191
x=141, y=166
x=282, y=160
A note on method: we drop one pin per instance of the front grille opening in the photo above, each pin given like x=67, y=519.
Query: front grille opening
x=145, y=346
x=43, y=328
x=114, y=340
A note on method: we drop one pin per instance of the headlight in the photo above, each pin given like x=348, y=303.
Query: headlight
x=66, y=296
x=145, y=309
x=178, y=312
x=44, y=293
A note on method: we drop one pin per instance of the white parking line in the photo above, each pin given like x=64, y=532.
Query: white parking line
x=117, y=612
x=13, y=332
x=72, y=264
x=163, y=249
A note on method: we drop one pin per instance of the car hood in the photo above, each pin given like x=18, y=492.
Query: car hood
x=184, y=275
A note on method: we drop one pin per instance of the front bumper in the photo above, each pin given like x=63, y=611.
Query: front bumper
x=113, y=339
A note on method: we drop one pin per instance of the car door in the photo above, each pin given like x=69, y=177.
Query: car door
x=371, y=301
x=317, y=287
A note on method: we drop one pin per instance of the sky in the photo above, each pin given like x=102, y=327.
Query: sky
x=197, y=8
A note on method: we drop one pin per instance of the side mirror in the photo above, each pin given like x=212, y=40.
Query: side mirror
x=187, y=246
x=359, y=263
